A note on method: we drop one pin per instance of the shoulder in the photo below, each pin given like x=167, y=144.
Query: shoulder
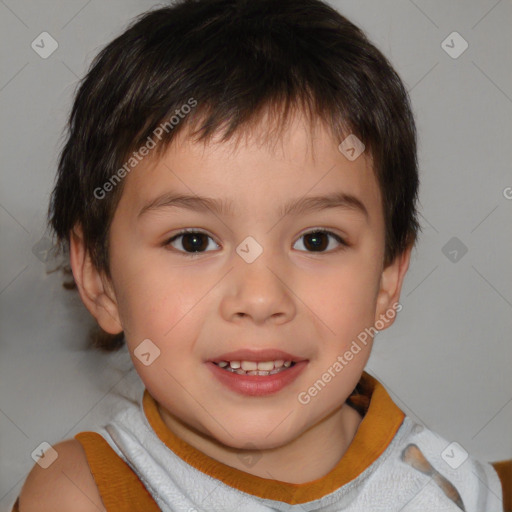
x=67, y=484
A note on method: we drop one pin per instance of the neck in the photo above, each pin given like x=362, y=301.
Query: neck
x=322, y=445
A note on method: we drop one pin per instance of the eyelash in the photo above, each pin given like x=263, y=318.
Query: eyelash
x=340, y=240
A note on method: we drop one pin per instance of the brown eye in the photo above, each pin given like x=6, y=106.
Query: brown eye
x=191, y=241
x=319, y=240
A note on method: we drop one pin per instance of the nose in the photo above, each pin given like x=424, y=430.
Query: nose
x=258, y=292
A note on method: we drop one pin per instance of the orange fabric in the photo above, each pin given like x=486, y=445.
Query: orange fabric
x=373, y=436
x=504, y=470
x=119, y=487
x=121, y=490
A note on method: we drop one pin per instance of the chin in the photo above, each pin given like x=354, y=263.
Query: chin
x=253, y=437
x=255, y=442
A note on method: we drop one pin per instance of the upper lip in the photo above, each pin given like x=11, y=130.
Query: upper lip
x=269, y=354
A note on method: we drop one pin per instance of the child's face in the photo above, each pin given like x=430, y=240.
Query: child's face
x=312, y=304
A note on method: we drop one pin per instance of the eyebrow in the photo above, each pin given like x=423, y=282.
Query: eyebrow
x=225, y=207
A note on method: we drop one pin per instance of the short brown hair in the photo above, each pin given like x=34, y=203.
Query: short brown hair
x=236, y=58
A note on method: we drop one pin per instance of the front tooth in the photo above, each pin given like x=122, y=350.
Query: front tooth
x=249, y=365
x=234, y=364
x=266, y=365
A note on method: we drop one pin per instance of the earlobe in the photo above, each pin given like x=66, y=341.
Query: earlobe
x=391, y=284
x=96, y=292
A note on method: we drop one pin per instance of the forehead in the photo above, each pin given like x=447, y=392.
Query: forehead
x=253, y=168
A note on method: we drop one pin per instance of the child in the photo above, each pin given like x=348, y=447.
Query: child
x=275, y=133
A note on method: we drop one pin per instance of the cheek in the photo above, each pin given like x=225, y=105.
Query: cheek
x=160, y=303
x=344, y=299
x=154, y=296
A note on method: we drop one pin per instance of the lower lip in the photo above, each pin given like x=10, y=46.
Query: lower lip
x=257, y=385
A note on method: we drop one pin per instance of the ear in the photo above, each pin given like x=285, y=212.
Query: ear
x=95, y=289
x=391, y=285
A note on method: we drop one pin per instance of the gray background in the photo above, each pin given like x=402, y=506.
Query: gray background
x=447, y=359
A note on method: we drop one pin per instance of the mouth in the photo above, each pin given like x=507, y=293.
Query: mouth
x=253, y=362
x=256, y=373
x=256, y=368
